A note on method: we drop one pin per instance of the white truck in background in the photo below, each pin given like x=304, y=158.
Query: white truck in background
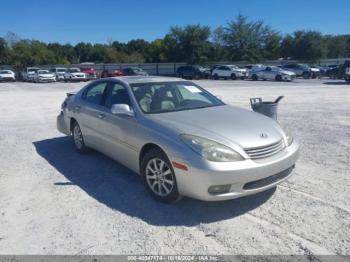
x=29, y=73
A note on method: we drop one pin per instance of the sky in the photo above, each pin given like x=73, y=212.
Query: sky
x=101, y=21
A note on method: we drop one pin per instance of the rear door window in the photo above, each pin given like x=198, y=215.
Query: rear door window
x=94, y=95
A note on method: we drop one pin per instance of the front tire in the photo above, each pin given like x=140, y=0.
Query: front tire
x=159, y=176
x=233, y=77
x=254, y=77
x=216, y=77
x=78, y=138
x=278, y=78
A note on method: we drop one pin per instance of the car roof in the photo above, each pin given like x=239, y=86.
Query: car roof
x=146, y=79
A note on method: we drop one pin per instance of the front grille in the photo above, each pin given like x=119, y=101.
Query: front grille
x=265, y=151
x=268, y=180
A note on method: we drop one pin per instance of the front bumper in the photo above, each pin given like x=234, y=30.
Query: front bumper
x=244, y=177
x=78, y=78
x=7, y=78
x=46, y=79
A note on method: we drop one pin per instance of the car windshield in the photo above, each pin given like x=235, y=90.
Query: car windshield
x=74, y=70
x=33, y=70
x=5, y=72
x=173, y=96
x=61, y=70
x=43, y=72
x=234, y=66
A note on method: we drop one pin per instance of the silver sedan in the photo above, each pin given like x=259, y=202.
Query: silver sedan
x=182, y=140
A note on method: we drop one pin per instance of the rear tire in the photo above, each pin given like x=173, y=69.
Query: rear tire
x=216, y=77
x=254, y=77
x=159, y=176
x=78, y=138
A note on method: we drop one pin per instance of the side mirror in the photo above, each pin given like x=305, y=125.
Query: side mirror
x=122, y=110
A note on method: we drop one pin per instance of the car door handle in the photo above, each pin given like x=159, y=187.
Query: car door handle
x=101, y=116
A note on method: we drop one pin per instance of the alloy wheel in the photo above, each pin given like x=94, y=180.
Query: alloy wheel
x=159, y=177
x=78, y=137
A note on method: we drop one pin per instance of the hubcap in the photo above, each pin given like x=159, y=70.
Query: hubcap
x=78, y=137
x=159, y=177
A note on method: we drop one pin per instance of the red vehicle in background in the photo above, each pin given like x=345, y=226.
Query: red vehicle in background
x=112, y=73
x=91, y=74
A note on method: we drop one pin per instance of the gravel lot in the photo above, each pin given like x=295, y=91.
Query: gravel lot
x=55, y=201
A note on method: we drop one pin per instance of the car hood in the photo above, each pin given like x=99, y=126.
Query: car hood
x=224, y=124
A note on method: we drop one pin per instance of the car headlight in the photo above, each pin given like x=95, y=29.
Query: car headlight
x=210, y=150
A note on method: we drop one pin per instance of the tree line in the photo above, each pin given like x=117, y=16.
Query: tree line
x=238, y=40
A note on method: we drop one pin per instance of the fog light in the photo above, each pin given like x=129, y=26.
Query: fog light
x=220, y=189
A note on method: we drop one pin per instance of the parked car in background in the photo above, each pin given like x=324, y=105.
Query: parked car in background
x=134, y=71
x=158, y=127
x=273, y=73
x=29, y=73
x=301, y=70
x=7, y=75
x=254, y=67
x=315, y=72
x=323, y=69
x=346, y=67
x=334, y=72
x=74, y=74
x=44, y=76
x=213, y=67
x=106, y=73
x=193, y=72
x=91, y=74
x=59, y=73
x=229, y=71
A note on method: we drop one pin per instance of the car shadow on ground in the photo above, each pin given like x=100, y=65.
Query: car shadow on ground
x=121, y=189
x=336, y=83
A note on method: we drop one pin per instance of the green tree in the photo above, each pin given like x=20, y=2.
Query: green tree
x=4, y=51
x=189, y=44
x=157, y=51
x=336, y=45
x=217, y=50
x=246, y=40
x=287, y=47
x=308, y=46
